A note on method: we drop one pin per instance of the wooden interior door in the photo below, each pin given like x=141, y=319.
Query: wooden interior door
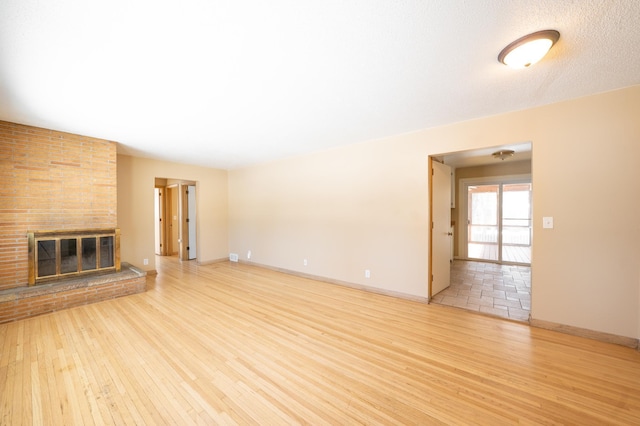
x=159, y=215
x=187, y=222
x=441, y=235
x=173, y=224
x=191, y=222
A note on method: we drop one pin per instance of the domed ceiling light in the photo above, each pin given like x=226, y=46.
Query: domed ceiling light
x=529, y=49
x=503, y=153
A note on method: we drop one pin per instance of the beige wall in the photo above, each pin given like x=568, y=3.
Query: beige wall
x=344, y=210
x=136, y=180
x=366, y=207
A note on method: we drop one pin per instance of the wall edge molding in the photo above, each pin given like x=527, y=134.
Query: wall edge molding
x=212, y=261
x=589, y=334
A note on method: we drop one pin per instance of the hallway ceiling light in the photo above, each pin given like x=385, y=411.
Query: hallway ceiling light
x=529, y=49
x=502, y=154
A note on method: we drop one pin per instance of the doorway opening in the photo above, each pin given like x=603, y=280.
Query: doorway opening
x=489, y=268
x=175, y=221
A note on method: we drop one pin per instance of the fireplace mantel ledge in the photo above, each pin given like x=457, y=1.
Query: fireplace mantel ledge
x=128, y=271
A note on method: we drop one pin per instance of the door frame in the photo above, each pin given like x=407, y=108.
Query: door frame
x=174, y=193
x=430, y=264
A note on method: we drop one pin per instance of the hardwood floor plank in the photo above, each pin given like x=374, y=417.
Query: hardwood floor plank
x=233, y=343
x=123, y=362
x=46, y=367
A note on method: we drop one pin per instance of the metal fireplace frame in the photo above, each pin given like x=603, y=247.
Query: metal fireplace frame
x=34, y=237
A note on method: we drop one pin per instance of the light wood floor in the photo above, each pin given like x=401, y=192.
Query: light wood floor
x=235, y=344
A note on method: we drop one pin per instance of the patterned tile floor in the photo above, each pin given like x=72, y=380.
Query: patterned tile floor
x=501, y=290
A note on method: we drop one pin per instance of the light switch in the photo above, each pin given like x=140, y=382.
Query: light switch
x=547, y=222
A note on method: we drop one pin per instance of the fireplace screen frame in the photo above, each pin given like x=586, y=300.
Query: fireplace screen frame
x=105, y=259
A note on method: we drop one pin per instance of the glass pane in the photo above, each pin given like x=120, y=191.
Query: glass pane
x=46, y=258
x=106, y=252
x=516, y=222
x=68, y=255
x=484, y=208
x=482, y=226
x=88, y=254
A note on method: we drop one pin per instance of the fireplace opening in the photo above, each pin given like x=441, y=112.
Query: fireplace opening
x=56, y=254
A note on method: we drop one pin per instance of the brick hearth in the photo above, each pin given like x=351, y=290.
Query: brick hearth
x=24, y=302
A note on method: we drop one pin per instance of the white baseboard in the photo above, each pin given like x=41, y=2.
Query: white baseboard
x=590, y=334
x=210, y=262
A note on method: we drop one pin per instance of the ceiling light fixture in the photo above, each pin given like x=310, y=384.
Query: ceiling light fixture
x=529, y=49
x=503, y=153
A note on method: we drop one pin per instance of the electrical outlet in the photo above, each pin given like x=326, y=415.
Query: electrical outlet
x=249, y=254
x=367, y=273
x=304, y=262
x=145, y=261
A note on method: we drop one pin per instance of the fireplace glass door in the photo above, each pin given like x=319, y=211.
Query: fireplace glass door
x=106, y=252
x=56, y=254
x=68, y=255
x=46, y=258
x=89, y=255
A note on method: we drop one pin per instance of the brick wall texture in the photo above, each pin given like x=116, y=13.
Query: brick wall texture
x=50, y=181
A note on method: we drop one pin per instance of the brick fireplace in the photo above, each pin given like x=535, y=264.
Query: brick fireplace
x=52, y=181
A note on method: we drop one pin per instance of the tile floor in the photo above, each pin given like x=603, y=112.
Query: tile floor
x=501, y=290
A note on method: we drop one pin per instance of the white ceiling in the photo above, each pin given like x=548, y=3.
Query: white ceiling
x=231, y=83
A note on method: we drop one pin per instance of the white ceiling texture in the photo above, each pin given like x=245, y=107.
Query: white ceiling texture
x=228, y=84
